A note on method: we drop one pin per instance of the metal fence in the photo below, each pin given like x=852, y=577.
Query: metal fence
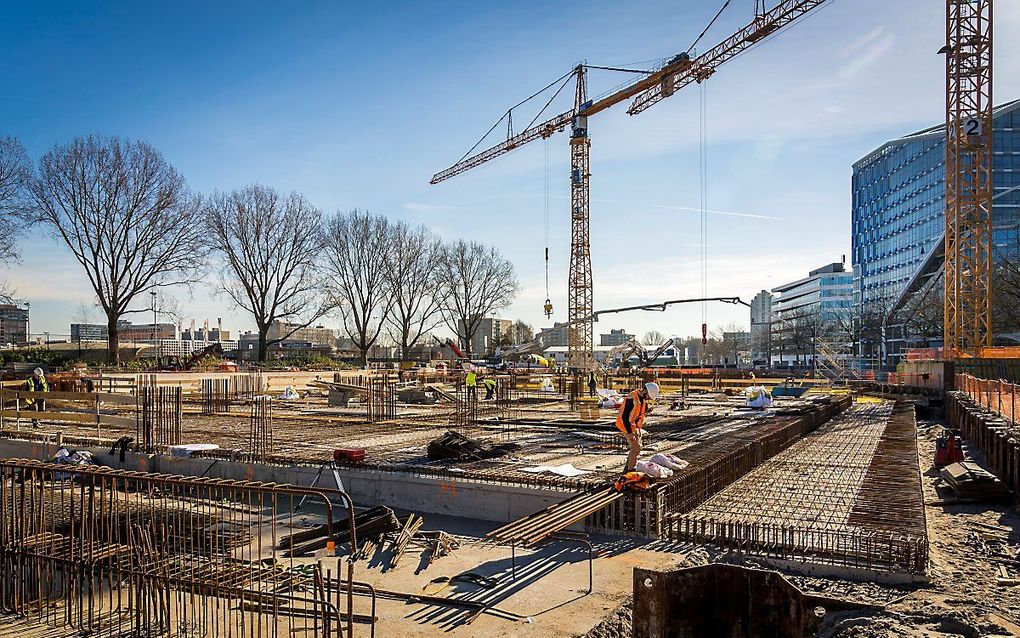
x=994, y=395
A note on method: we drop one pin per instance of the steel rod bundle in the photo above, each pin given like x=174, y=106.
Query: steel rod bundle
x=260, y=434
x=158, y=424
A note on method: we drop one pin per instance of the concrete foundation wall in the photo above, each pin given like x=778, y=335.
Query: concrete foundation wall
x=422, y=495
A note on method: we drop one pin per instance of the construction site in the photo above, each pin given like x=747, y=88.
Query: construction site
x=625, y=494
x=203, y=504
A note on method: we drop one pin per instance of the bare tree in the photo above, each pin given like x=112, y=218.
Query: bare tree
x=356, y=268
x=732, y=340
x=474, y=280
x=268, y=243
x=522, y=332
x=806, y=328
x=85, y=316
x=126, y=215
x=653, y=338
x=1006, y=289
x=410, y=261
x=923, y=316
x=15, y=176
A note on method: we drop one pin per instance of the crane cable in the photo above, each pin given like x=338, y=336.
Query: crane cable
x=548, y=299
x=703, y=157
x=702, y=34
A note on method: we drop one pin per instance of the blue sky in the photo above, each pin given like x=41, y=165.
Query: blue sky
x=356, y=105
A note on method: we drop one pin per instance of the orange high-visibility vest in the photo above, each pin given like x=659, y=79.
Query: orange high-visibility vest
x=637, y=414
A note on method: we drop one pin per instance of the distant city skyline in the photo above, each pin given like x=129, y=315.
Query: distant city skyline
x=356, y=108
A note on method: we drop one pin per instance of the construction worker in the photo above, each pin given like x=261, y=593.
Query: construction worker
x=490, y=387
x=36, y=383
x=471, y=383
x=591, y=383
x=631, y=420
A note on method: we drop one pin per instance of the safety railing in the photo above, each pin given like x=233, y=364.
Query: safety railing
x=994, y=395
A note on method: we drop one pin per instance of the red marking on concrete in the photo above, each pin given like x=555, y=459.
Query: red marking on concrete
x=448, y=488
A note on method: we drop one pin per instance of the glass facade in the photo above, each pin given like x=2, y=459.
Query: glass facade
x=809, y=312
x=825, y=294
x=898, y=214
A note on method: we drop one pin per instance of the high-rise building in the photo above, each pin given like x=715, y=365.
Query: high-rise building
x=205, y=334
x=13, y=324
x=761, y=328
x=555, y=336
x=615, y=337
x=127, y=331
x=89, y=332
x=809, y=311
x=898, y=223
x=488, y=335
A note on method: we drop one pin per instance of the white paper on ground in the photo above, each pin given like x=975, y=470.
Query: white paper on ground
x=567, y=469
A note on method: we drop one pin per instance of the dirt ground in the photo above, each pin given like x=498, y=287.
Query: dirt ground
x=548, y=597
x=960, y=599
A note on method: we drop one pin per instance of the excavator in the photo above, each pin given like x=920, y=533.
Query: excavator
x=672, y=350
x=449, y=343
x=177, y=364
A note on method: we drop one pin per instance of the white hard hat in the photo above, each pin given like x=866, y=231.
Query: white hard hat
x=38, y=372
x=652, y=389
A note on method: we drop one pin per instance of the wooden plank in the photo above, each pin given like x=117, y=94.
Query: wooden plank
x=73, y=417
x=104, y=397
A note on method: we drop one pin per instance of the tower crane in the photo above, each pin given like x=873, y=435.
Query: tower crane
x=968, y=238
x=969, y=190
x=679, y=71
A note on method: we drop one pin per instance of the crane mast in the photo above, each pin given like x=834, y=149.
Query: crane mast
x=580, y=354
x=968, y=239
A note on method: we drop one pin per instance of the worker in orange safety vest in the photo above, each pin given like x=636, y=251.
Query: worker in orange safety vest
x=631, y=420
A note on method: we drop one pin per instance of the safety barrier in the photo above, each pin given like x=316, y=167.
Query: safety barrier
x=984, y=413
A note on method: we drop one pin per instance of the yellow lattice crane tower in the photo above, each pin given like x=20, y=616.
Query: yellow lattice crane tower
x=580, y=353
x=681, y=70
x=968, y=266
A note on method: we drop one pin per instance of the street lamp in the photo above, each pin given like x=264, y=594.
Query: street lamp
x=152, y=295
x=28, y=323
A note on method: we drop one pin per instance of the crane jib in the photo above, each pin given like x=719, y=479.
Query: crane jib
x=678, y=72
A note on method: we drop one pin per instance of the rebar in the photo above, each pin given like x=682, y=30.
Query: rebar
x=215, y=396
x=382, y=398
x=247, y=385
x=848, y=494
x=260, y=434
x=997, y=436
x=130, y=553
x=158, y=417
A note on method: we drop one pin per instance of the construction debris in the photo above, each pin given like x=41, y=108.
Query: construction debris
x=456, y=446
x=369, y=524
x=400, y=543
x=442, y=544
x=968, y=480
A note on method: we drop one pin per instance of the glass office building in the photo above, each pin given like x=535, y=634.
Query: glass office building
x=898, y=217
x=807, y=311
